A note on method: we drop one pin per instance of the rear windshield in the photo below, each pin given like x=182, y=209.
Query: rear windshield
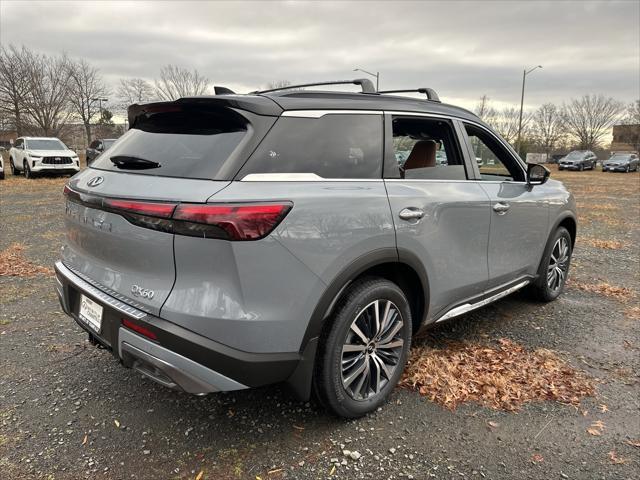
x=46, y=144
x=180, y=142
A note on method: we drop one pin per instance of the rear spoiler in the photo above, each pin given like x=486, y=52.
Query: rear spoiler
x=252, y=103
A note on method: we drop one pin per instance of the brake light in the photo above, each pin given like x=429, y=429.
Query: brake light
x=153, y=209
x=242, y=221
x=238, y=222
x=139, y=329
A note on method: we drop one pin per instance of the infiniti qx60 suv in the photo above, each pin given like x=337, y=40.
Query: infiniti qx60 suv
x=234, y=241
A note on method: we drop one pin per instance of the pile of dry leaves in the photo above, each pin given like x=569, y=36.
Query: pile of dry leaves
x=605, y=244
x=13, y=263
x=502, y=377
x=619, y=293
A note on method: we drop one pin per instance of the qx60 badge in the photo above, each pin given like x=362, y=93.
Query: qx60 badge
x=95, y=181
x=138, y=291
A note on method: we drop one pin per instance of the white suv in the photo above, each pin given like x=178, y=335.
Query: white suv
x=32, y=155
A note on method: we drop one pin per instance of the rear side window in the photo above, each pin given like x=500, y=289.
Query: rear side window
x=332, y=146
x=178, y=142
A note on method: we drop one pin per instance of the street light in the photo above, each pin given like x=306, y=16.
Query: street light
x=377, y=75
x=99, y=100
x=525, y=72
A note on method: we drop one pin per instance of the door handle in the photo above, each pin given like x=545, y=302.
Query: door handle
x=501, y=208
x=411, y=213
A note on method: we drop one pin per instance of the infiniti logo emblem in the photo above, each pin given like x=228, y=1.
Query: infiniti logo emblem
x=95, y=181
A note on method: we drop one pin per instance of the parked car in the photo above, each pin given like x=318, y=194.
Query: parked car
x=621, y=162
x=33, y=155
x=578, y=160
x=236, y=241
x=98, y=146
x=556, y=157
x=1, y=164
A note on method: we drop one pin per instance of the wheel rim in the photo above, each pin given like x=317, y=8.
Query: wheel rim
x=372, y=349
x=558, y=264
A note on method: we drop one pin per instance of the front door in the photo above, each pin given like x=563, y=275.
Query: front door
x=519, y=212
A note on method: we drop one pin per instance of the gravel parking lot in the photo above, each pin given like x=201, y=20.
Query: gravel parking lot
x=69, y=410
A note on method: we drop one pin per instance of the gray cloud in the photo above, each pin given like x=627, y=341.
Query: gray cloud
x=463, y=49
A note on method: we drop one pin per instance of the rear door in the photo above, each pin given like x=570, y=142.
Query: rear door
x=118, y=210
x=519, y=213
x=440, y=216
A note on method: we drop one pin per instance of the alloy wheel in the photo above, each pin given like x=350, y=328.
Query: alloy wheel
x=372, y=349
x=558, y=264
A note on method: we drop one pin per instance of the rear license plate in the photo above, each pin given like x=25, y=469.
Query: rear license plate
x=90, y=313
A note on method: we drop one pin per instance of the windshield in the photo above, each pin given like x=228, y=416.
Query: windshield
x=575, y=155
x=620, y=156
x=177, y=143
x=107, y=143
x=46, y=144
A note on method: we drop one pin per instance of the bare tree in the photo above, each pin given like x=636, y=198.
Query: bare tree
x=85, y=86
x=589, y=118
x=632, y=114
x=47, y=101
x=278, y=84
x=506, y=121
x=484, y=110
x=134, y=90
x=14, y=84
x=548, y=126
x=176, y=82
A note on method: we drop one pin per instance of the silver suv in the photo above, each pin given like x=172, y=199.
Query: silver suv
x=235, y=241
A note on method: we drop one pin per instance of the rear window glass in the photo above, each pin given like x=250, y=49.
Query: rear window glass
x=181, y=142
x=332, y=146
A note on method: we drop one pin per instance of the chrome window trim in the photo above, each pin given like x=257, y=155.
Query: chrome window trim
x=322, y=113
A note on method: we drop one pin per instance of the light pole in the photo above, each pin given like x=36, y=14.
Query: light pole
x=377, y=75
x=100, y=100
x=525, y=72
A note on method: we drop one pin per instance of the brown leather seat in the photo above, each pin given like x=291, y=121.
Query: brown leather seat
x=423, y=154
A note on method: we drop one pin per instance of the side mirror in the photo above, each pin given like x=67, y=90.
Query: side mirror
x=537, y=174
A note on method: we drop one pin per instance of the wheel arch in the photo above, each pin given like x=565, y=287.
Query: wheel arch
x=398, y=266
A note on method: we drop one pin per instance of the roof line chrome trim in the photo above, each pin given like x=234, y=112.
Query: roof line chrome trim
x=467, y=307
x=322, y=113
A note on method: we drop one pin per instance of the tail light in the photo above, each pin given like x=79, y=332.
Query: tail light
x=238, y=221
x=139, y=329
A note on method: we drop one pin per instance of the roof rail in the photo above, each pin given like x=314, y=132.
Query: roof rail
x=365, y=83
x=429, y=92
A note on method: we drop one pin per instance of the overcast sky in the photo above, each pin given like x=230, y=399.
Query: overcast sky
x=462, y=49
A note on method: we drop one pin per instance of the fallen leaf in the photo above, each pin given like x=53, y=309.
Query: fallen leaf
x=333, y=470
x=84, y=440
x=493, y=424
x=199, y=476
x=275, y=470
x=117, y=423
x=603, y=408
x=596, y=428
x=633, y=443
x=537, y=458
x=615, y=458
x=297, y=427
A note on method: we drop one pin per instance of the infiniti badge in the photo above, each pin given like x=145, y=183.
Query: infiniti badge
x=95, y=181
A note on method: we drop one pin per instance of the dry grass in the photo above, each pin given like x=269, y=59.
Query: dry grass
x=503, y=377
x=633, y=313
x=13, y=263
x=604, y=244
x=619, y=293
x=13, y=184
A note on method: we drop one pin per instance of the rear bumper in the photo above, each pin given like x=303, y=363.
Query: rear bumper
x=176, y=358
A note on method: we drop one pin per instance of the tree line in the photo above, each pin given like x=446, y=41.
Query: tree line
x=43, y=94
x=581, y=123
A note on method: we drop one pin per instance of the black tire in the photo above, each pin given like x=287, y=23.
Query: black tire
x=27, y=171
x=581, y=167
x=354, y=307
x=14, y=170
x=2, y=175
x=540, y=289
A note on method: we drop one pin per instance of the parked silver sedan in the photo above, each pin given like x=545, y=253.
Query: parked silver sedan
x=621, y=162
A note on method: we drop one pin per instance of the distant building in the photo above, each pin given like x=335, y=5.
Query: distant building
x=626, y=138
x=6, y=136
